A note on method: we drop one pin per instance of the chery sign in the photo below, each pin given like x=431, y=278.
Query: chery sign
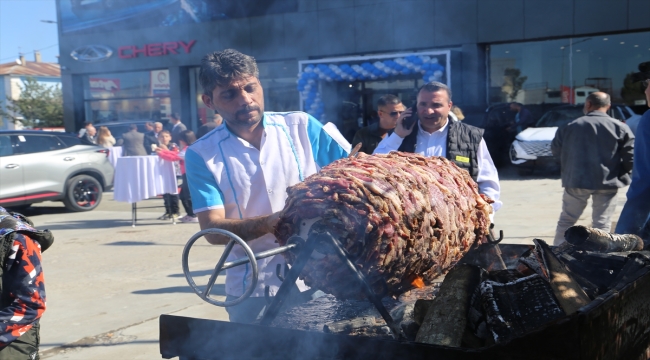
x=155, y=49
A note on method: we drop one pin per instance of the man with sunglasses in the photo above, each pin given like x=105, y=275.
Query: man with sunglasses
x=636, y=212
x=437, y=133
x=389, y=108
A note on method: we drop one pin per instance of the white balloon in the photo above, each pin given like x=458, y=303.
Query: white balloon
x=308, y=69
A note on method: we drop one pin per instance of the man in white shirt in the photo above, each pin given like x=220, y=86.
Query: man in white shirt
x=437, y=134
x=238, y=173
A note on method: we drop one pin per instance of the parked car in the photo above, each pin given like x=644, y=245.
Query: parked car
x=532, y=146
x=495, y=121
x=37, y=166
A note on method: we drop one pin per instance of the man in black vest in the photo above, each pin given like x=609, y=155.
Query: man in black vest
x=437, y=134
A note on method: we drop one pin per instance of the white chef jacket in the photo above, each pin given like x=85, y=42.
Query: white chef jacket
x=435, y=144
x=226, y=172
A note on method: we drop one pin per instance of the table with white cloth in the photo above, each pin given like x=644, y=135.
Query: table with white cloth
x=139, y=178
x=114, y=153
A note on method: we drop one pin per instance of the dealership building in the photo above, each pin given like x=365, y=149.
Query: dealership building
x=139, y=59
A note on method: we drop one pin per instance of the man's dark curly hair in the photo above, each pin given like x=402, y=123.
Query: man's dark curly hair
x=221, y=67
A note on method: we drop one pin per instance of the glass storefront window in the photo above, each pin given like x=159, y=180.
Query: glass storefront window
x=153, y=109
x=280, y=89
x=278, y=81
x=142, y=95
x=565, y=70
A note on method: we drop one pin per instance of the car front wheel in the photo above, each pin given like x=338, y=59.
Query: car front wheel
x=83, y=193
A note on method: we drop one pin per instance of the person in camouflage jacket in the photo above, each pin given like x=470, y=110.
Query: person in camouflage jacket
x=22, y=288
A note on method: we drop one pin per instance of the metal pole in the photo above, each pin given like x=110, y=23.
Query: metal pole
x=374, y=299
x=571, y=94
x=258, y=256
x=288, y=284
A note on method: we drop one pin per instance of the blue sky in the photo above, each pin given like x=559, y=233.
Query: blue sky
x=21, y=26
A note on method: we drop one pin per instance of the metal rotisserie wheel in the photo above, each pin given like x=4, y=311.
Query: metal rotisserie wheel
x=400, y=217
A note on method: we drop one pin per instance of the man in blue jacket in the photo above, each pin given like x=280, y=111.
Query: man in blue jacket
x=636, y=212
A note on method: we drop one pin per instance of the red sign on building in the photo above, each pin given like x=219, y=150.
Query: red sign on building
x=155, y=49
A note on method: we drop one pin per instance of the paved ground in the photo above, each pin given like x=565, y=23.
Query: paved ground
x=107, y=282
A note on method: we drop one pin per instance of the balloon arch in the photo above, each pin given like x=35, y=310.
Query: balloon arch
x=432, y=65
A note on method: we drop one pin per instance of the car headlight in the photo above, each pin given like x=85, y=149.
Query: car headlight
x=518, y=154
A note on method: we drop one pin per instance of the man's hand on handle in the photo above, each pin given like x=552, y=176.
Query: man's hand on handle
x=247, y=229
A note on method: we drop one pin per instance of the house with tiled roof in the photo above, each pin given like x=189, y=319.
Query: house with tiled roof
x=13, y=74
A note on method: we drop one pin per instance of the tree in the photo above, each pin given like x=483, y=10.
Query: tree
x=632, y=91
x=39, y=105
x=512, y=82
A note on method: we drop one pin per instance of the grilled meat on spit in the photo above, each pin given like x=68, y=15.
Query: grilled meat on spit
x=400, y=216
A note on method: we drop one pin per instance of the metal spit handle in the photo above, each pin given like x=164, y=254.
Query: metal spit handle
x=251, y=258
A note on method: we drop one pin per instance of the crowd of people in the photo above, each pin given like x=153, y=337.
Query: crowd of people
x=170, y=145
x=234, y=177
x=237, y=178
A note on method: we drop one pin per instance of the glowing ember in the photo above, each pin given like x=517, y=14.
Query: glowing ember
x=418, y=282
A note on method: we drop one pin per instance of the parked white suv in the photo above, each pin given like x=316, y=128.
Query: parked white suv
x=37, y=166
x=533, y=145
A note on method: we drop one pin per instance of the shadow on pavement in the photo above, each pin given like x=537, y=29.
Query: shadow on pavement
x=131, y=243
x=217, y=289
x=40, y=210
x=197, y=273
x=96, y=224
x=512, y=172
x=59, y=346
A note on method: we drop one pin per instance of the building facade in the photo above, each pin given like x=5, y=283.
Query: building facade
x=13, y=76
x=137, y=60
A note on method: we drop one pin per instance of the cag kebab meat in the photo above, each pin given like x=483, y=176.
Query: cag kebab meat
x=402, y=217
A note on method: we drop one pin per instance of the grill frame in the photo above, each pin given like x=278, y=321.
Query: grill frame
x=613, y=326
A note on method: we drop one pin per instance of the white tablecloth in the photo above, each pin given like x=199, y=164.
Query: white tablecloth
x=114, y=153
x=142, y=177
